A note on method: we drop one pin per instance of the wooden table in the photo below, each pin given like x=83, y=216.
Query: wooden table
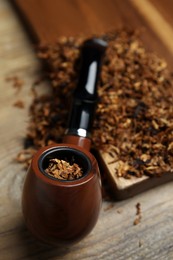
x=115, y=236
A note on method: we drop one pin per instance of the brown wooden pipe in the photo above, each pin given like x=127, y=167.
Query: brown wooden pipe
x=62, y=212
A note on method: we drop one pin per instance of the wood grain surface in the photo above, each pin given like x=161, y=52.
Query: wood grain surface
x=115, y=235
x=76, y=17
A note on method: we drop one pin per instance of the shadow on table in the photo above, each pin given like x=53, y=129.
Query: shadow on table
x=33, y=249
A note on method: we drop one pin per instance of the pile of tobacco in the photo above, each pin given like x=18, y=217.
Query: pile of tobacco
x=134, y=117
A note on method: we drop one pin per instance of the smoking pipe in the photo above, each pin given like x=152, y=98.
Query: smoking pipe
x=64, y=211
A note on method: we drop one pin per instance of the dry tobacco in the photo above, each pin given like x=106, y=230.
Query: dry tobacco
x=19, y=104
x=17, y=83
x=110, y=206
x=138, y=214
x=134, y=117
x=63, y=170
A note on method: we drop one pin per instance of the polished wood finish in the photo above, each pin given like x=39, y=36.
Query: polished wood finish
x=80, y=141
x=114, y=236
x=62, y=212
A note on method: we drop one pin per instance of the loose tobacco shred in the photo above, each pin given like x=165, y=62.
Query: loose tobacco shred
x=17, y=83
x=19, y=104
x=134, y=117
x=138, y=214
x=63, y=170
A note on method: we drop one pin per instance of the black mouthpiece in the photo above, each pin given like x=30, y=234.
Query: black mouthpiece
x=85, y=94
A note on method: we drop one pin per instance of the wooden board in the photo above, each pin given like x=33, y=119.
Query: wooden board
x=46, y=26
x=115, y=236
x=48, y=21
x=125, y=188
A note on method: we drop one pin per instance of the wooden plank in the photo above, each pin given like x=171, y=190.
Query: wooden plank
x=47, y=21
x=165, y=9
x=115, y=236
x=162, y=28
x=43, y=20
x=125, y=188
